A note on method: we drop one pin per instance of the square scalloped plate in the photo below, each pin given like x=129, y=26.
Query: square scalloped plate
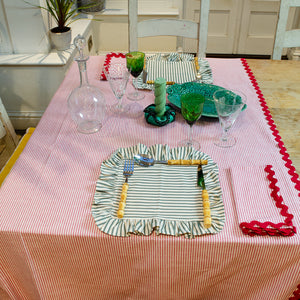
x=209, y=109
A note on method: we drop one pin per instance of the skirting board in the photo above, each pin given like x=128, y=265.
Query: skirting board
x=25, y=119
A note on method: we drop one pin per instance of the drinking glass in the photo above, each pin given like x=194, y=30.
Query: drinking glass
x=117, y=76
x=228, y=104
x=135, y=65
x=191, y=110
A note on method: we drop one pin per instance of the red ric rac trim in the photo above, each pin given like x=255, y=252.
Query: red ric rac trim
x=296, y=294
x=283, y=152
x=107, y=61
x=268, y=228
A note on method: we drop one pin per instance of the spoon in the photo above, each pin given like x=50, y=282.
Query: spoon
x=145, y=160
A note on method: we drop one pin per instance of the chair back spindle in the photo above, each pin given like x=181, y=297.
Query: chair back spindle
x=285, y=38
x=168, y=27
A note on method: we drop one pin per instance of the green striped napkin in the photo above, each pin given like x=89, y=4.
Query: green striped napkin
x=162, y=198
x=174, y=67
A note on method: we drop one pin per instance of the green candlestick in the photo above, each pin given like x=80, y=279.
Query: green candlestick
x=160, y=96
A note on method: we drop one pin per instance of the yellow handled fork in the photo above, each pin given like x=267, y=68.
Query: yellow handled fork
x=127, y=172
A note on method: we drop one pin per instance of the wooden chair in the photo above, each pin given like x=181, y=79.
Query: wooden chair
x=168, y=27
x=7, y=131
x=285, y=38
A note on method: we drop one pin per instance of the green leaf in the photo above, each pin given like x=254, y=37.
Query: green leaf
x=62, y=12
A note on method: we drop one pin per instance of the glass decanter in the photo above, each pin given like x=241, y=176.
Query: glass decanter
x=86, y=103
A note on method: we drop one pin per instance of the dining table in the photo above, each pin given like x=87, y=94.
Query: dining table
x=60, y=237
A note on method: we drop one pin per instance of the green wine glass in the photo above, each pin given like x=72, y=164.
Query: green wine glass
x=191, y=110
x=135, y=65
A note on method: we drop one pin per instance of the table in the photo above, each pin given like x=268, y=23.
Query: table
x=50, y=247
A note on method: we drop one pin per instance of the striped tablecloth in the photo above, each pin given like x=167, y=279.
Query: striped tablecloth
x=51, y=247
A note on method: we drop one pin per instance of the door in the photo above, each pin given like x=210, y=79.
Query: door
x=257, y=31
x=238, y=26
x=223, y=24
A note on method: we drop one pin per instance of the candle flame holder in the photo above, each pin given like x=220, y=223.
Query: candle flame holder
x=152, y=118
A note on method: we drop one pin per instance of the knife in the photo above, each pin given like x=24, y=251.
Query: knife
x=167, y=83
x=198, y=73
x=145, y=72
x=205, y=198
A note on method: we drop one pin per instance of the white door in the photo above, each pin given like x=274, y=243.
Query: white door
x=258, y=28
x=224, y=19
x=238, y=26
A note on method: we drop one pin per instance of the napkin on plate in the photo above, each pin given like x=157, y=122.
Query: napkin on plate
x=112, y=57
x=175, y=67
x=172, y=67
x=260, y=207
x=179, y=71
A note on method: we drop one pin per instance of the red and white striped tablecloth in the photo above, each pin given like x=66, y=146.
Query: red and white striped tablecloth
x=51, y=248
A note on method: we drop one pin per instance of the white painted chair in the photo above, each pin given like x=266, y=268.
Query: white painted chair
x=285, y=38
x=168, y=27
x=7, y=131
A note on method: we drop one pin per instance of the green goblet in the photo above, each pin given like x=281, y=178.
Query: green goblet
x=191, y=110
x=135, y=65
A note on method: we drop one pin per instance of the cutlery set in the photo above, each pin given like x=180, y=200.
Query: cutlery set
x=146, y=161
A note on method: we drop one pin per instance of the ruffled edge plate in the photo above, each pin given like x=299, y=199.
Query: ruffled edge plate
x=106, y=198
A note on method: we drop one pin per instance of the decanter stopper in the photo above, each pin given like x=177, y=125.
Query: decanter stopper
x=79, y=42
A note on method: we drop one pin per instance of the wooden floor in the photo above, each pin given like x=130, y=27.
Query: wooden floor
x=280, y=84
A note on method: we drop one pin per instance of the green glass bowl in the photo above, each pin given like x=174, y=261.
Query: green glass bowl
x=209, y=109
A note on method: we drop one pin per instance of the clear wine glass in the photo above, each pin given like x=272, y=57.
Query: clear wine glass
x=228, y=104
x=191, y=110
x=117, y=76
x=135, y=65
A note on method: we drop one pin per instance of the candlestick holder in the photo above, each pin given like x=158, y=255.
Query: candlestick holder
x=153, y=119
x=159, y=114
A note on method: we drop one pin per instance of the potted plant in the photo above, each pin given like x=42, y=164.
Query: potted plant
x=64, y=13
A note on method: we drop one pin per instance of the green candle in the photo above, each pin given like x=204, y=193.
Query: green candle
x=160, y=96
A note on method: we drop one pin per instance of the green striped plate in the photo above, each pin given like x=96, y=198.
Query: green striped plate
x=163, y=199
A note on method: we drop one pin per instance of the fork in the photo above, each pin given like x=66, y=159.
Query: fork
x=127, y=172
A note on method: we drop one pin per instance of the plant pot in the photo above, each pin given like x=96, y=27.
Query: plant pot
x=99, y=5
x=61, y=40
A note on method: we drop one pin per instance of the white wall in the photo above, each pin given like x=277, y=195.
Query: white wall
x=29, y=81
x=22, y=28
